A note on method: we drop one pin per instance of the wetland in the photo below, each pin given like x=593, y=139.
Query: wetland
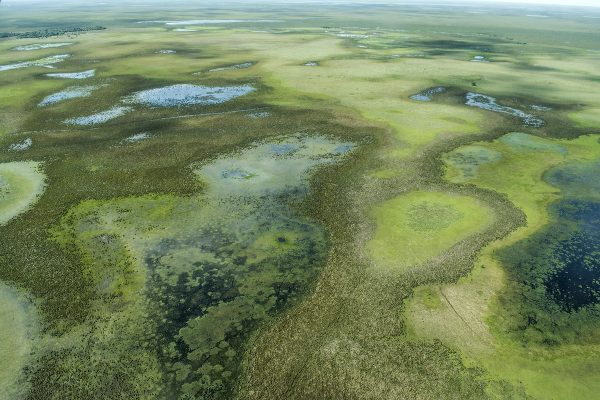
x=281, y=201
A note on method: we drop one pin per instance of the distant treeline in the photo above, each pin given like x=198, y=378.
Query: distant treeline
x=44, y=33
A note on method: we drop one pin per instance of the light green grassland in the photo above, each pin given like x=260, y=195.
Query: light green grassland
x=21, y=184
x=416, y=227
x=341, y=245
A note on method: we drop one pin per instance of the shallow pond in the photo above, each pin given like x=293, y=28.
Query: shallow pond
x=31, y=47
x=99, y=118
x=137, y=137
x=244, y=65
x=271, y=167
x=75, y=92
x=21, y=146
x=46, y=62
x=73, y=75
x=427, y=94
x=187, y=95
x=489, y=103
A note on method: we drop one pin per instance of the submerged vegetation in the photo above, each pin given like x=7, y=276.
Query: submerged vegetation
x=359, y=212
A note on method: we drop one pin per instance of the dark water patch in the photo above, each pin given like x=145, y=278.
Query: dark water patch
x=561, y=265
x=574, y=282
x=531, y=67
x=208, y=310
x=554, y=288
x=449, y=44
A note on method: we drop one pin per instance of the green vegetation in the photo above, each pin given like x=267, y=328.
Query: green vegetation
x=324, y=235
x=416, y=227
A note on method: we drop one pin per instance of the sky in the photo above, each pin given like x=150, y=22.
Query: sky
x=594, y=3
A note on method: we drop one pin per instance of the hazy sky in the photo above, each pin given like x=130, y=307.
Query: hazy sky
x=595, y=3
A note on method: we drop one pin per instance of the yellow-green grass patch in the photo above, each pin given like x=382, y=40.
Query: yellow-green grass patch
x=418, y=226
x=589, y=118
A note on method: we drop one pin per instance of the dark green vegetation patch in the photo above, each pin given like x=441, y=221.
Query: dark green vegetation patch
x=49, y=32
x=554, y=291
